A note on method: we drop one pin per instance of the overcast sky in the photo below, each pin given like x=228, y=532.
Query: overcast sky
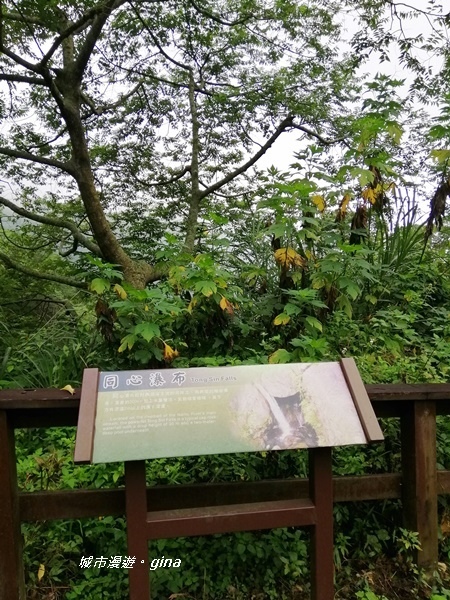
x=281, y=155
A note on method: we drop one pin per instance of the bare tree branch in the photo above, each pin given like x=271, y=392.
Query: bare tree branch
x=105, y=108
x=103, y=14
x=48, y=142
x=78, y=235
x=197, y=89
x=71, y=250
x=155, y=41
x=51, y=162
x=285, y=124
x=72, y=29
x=217, y=19
x=22, y=79
x=322, y=140
x=176, y=177
x=77, y=27
x=194, y=203
x=13, y=243
x=414, y=8
x=175, y=84
x=37, y=300
x=24, y=19
x=13, y=264
x=16, y=58
x=229, y=196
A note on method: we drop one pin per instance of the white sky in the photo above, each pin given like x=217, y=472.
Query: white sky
x=281, y=155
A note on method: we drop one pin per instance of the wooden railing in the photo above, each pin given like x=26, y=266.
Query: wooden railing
x=418, y=485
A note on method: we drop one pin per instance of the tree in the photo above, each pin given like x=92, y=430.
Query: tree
x=133, y=132
x=157, y=104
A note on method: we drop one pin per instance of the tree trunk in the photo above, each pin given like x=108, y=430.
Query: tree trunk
x=194, y=205
x=137, y=273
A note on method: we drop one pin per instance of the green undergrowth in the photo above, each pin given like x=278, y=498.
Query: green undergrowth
x=346, y=300
x=373, y=554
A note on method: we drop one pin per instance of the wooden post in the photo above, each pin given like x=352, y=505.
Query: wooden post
x=321, y=493
x=12, y=584
x=419, y=478
x=136, y=513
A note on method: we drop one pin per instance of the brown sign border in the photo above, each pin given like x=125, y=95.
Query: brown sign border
x=361, y=400
x=84, y=444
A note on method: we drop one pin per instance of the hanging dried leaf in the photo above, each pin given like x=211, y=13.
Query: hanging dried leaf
x=437, y=208
x=375, y=191
x=169, y=353
x=41, y=572
x=319, y=201
x=376, y=175
x=192, y=304
x=342, y=209
x=226, y=306
x=359, y=225
x=369, y=195
x=288, y=257
x=120, y=291
x=106, y=318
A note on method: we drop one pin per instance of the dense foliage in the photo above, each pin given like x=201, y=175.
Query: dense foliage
x=138, y=230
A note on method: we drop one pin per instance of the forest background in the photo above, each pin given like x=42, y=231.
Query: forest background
x=139, y=230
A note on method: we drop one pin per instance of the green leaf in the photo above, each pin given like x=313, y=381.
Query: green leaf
x=365, y=177
x=353, y=290
x=221, y=242
x=278, y=230
x=281, y=319
x=99, y=285
x=438, y=132
x=147, y=330
x=371, y=299
x=291, y=309
x=344, y=304
x=314, y=323
x=395, y=131
x=440, y=156
x=207, y=288
x=279, y=356
x=127, y=342
x=143, y=356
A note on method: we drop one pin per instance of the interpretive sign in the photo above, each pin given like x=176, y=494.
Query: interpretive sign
x=132, y=416
x=138, y=415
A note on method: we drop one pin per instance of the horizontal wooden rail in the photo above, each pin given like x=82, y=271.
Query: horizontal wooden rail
x=78, y=504
x=418, y=486
x=228, y=518
x=52, y=407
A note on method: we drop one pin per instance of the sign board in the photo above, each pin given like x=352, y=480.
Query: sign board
x=134, y=415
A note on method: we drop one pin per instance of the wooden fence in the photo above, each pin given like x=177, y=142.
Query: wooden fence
x=418, y=485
